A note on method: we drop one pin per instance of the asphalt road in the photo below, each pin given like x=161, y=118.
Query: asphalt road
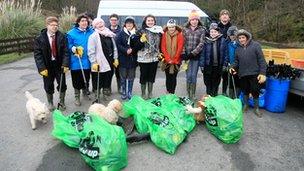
x=273, y=142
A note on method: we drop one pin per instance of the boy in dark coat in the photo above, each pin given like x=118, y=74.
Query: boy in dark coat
x=251, y=67
x=52, y=60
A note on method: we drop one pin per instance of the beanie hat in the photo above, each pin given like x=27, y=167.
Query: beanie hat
x=193, y=15
x=224, y=11
x=97, y=21
x=171, y=23
x=214, y=26
x=232, y=31
x=130, y=19
x=243, y=32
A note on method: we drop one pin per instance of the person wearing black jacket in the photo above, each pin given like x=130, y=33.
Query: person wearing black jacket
x=52, y=60
x=224, y=25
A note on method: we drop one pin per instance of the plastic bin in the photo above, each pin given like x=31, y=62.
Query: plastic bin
x=276, y=95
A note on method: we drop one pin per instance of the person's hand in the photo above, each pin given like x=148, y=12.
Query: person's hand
x=261, y=78
x=160, y=57
x=44, y=73
x=184, y=66
x=232, y=71
x=115, y=63
x=74, y=49
x=129, y=51
x=65, y=69
x=79, y=51
x=143, y=38
x=95, y=67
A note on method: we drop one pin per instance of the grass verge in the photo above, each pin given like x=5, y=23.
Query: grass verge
x=12, y=57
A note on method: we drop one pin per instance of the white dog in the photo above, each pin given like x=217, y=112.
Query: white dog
x=37, y=110
x=109, y=113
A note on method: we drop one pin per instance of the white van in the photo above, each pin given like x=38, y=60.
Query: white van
x=162, y=10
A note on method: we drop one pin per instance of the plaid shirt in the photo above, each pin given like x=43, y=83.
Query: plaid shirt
x=194, y=40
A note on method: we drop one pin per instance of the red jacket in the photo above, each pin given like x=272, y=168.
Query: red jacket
x=180, y=43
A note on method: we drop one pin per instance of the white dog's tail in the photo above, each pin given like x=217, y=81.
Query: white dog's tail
x=28, y=95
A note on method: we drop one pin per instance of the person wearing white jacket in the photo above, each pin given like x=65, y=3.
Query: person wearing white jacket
x=103, y=55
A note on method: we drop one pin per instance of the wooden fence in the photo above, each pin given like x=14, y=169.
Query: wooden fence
x=19, y=45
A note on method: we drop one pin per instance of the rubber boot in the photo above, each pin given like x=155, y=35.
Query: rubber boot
x=193, y=89
x=150, y=88
x=130, y=88
x=49, y=97
x=143, y=91
x=77, y=97
x=119, y=85
x=256, y=108
x=245, y=107
x=86, y=94
x=188, y=90
x=106, y=92
x=124, y=89
x=62, y=106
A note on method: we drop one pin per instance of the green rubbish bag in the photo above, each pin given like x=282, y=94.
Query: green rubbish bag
x=67, y=128
x=224, y=118
x=164, y=118
x=103, y=146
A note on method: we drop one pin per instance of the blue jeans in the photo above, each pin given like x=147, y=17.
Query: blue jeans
x=191, y=73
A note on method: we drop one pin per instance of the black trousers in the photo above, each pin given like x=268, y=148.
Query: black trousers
x=250, y=84
x=147, y=72
x=77, y=78
x=105, y=79
x=54, y=72
x=171, y=81
x=212, y=79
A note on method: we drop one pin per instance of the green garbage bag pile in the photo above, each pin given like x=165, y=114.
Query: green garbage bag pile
x=102, y=145
x=163, y=118
x=224, y=118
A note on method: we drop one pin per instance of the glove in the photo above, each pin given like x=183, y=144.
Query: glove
x=261, y=78
x=202, y=69
x=160, y=57
x=115, y=63
x=65, y=69
x=191, y=56
x=184, y=66
x=95, y=67
x=79, y=51
x=143, y=38
x=44, y=73
x=74, y=49
x=232, y=71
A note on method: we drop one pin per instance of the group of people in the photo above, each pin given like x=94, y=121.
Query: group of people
x=90, y=49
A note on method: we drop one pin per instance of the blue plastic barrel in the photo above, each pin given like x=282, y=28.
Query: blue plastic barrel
x=276, y=94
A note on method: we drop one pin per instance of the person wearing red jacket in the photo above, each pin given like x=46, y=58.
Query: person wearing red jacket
x=171, y=46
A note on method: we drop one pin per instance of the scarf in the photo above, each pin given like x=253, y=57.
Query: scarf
x=129, y=33
x=171, y=43
x=106, y=32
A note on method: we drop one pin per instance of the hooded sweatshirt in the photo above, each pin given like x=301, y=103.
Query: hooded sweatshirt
x=249, y=59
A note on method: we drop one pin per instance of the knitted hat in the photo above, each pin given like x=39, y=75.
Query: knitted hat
x=171, y=23
x=130, y=19
x=232, y=31
x=214, y=26
x=224, y=11
x=193, y=15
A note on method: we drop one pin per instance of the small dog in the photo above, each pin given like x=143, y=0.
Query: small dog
x=37, y=110
x=109, y=113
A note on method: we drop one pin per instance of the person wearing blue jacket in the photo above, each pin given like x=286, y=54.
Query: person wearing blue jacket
x=214, y=59
x=232, y=45
x=127, y=56
x=79, y=62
